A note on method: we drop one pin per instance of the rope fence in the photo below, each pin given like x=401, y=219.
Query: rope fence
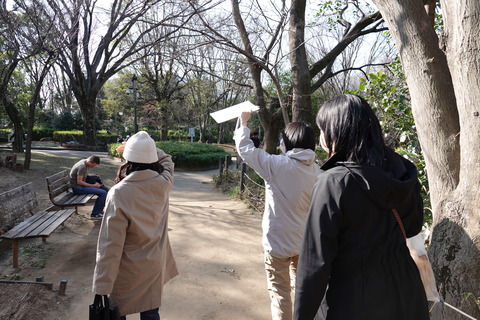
x=250, y=190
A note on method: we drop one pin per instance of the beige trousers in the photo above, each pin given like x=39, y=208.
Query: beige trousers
x=281, y=276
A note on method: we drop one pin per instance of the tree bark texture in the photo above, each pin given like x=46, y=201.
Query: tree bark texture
x=271, y=130
x=268, y=117
x=445, y=90
x=301, y=98
x=15, y=117
x=7, y=102
x=88, y=107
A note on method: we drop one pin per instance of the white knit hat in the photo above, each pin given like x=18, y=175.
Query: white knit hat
x=140, y=148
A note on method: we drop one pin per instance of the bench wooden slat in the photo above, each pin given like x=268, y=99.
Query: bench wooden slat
x=58, y=183
x=56, y=191
x=55, y=221
x=59, y=191
x=72, y=199
x=41, y=224
x=16, y=203
x=23, y=226
x=20, y=201
x=58, y=176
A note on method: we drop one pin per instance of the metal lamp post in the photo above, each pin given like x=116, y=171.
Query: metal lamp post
x=134, y=89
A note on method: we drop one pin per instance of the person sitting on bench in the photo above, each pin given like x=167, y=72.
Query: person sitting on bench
x=82, y=183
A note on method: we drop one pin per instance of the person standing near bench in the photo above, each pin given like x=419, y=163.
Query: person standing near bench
x=81, y=185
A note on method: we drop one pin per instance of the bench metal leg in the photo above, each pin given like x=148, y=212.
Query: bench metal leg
x=44, y=239
x=15, y=252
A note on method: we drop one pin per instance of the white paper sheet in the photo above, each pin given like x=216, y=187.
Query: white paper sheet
x=233, y=112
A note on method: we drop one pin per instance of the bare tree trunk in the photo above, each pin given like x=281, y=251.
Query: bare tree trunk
x=445, y=91
x=28, y=140
x=163, y=134
x=272, y=124
x=267, y=116
x=38, y=78
x=88, y=106
x=164, y=122
x=8, y=104
x=14, y=115
x=457, y=230
x=271, y=134
x=301, y=99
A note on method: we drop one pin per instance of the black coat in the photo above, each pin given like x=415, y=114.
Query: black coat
x=354, y=247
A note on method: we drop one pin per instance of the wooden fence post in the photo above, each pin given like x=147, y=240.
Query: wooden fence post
x=242, y=177
x=63, y=287
x=227, y=158
x=220, y=165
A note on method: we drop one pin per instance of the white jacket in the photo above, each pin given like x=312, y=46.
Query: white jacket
x=289, y=181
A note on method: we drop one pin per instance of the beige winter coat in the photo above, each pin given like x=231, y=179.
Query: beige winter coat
x=134, y=257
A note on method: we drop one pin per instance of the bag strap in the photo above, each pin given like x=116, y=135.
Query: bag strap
x=400, y=224
x=394, y=211
x=106, y=302
x=97, y=301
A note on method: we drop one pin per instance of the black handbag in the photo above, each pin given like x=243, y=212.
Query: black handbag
x=93, y=179
x=101, y=309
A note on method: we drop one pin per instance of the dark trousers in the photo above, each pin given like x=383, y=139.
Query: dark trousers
x=147, y=315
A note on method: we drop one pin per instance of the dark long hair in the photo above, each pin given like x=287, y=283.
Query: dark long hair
x=352, y=129
x=298, y=135
x=129, y=167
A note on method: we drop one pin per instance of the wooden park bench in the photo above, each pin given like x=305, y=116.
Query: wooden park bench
x=19, y=202
x=59, y=191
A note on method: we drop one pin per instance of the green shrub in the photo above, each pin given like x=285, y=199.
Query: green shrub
x=76, y=136
x=111, y=150
x=4, y=134
x=321, y=155
x=39, y=133
x=255, y=177
x=178, y=134
x=68, y=136
x=186, y=155
x=104, y=138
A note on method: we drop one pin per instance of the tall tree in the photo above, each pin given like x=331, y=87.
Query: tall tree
x=260, y=55
x=162, y=71
x=37, y=69
x=10, y=53
x=100, y=41
x=25, y=47
x=308, y=77
x=443, y=79
x=260, y=34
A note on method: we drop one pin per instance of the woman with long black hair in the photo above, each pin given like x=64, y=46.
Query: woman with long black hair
x=354, y=263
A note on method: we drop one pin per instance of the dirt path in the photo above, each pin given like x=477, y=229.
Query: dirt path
x=217, y=246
